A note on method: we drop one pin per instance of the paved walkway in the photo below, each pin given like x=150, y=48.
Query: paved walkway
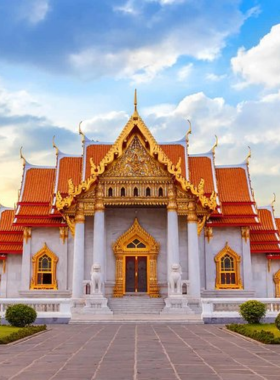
x=139, y=352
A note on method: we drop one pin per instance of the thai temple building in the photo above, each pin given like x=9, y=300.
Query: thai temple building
x=138, y=222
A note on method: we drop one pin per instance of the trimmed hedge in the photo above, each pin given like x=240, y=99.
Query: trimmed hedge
x=23, y=333
x=261, y=336
x=252, y=311
x=20, y=315
x=277, y=321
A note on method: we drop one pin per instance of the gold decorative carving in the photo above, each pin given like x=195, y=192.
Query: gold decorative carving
x=80, y=216
x=150, y=249
x=135, y=124
x=99, y=205
x=36, y=283
x=63, y=233
x=71, y=224
x=172, y=205
x=135, y=162
x=26, y=234
x=208, y=233
x=201, y=224
x=233, y=273
x=4, y=264
x=276, y=279
x=192, y=215
x=245, y=233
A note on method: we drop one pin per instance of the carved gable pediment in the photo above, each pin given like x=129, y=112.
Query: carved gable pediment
x=136, y=162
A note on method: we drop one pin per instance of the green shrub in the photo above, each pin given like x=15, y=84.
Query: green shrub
x=277, y=321
x=261, y=336
x=23, y=333
x=252, y=311
x=20, y=315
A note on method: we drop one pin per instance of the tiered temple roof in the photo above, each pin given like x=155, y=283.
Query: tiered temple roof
x=236, y=206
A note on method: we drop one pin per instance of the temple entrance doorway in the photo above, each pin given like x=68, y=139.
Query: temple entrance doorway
x=136, y=274
x=136, y=254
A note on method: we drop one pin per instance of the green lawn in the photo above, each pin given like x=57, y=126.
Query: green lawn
x=7, y=330
x=266, y=327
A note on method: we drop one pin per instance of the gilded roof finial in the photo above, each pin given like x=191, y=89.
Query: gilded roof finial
x=54, y=146
x=81, y=132
x=273, y=201
x=215, y=145
x=248, y=156
x=188, y=132
x=21, y=156
x=135, y=100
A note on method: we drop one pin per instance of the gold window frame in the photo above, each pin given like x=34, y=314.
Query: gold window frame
x=236, y=262
x=36, y=270
x=276, y=279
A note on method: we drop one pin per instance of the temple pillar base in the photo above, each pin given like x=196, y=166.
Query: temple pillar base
x=96, y=304
x=176, y=305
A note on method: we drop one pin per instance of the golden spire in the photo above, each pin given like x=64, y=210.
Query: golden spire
x=273, y=201
x=215, y=145
x=81, y=132
x=248, y=156
x=21, y=156
x=135, y=114
x=188, y=132
x=54, y=146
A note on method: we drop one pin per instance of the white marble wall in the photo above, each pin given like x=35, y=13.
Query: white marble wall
x=88, y=246
x=262, y=280
x=183, y=246
x=13, y=276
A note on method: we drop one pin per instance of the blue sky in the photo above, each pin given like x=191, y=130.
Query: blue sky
x=216, y=63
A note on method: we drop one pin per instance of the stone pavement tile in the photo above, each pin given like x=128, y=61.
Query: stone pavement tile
x=267, y=371
x=240, y=377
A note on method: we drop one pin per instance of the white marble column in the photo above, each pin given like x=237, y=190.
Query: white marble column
x=79, y=250
x=99, y=232
x=193, y=251
x=26, y=260
x=246, y=262
x=3, y=283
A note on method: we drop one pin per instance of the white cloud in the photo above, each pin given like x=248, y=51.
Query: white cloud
x=33, y=11
x=127, y=8
x=184, y=72
x=260, y=64
x=215, y=78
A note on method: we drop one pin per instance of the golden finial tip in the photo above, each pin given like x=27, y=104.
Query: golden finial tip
x=215, y=145
x=188, y=132
x=54, y=146
x=81, y=132
x=274, y=200
x=248, y=156
x=22, y=157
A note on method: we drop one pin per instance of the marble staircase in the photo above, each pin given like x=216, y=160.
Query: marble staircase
x=136, y=305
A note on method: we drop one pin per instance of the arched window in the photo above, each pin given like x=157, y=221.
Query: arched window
x=122, y=192
x=276, y=279
x=148, y=192
x=110, y=192
x=135, y=192
x=160, y=192
x=135, y=244
x=228, y=269
x=44, y=269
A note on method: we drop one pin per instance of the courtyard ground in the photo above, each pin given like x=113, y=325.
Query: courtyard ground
x=139, y=352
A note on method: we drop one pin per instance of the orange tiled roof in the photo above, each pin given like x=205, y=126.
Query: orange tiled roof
x=201, y=167
x=232, y=185
x=11, y=237
x=264, y=237
x=33, y=210
x=231, y=221
x=277, y=221
x=96, y=152
x=69, y=167
x=238, y=210
x=47, y=222
x=39, y=185
x=6, y=222
x=174, y=152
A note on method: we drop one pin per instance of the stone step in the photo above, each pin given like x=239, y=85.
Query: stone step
x=136, y=305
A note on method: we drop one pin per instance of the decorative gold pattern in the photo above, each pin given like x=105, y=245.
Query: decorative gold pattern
x=245, y=233
x=201, y=224
x=192, y=214
x=276, y=279
x=121, y=250
x=26, y=234
x=99, y=205
x=172, y=205
x=80, y=216
x=208, y=233
x=71, y=224
x=228, y=276
x=63, y=233
x=135, y=123
x=36, y=282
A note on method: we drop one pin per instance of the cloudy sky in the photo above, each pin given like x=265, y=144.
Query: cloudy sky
x=214, y=62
